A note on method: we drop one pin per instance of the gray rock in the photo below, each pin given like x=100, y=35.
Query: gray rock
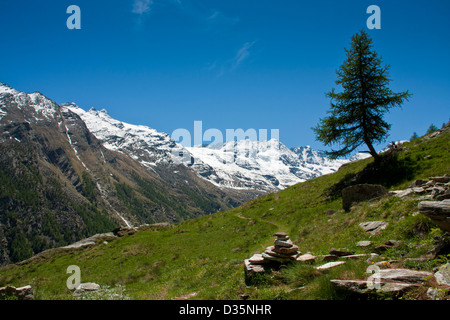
x=91, y=240
x=251, y=269
x=279, y=259
x=363, y=287
x=444, y=196
x=257, y=259
x=364, y=243
x=443, y=275
x=361, y=192
x=340, y=253
x=283, y=243
x=306, y=258
x=418, y=183
x=402, y=275
x=438, y=212
x=330, y=265
x=284, y=250
x=443, y=179
x=86, y=287
x=373, y=227
x=22, y=293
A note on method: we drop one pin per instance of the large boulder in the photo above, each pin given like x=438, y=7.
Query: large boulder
x=438, y=212
x=361, y=192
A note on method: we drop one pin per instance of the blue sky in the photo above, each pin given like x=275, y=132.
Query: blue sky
x=231, y=64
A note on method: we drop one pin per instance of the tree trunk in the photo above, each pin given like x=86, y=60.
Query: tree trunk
x=373, y=153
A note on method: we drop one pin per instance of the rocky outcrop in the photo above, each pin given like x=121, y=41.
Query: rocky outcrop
x=361, y=192
x=13, y=293
x=384, y=281
x=438, y=212
x=435, y=188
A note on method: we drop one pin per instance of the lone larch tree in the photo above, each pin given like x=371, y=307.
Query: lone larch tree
x=356, y=114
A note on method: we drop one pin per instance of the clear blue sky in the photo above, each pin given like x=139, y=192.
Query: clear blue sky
x=231, y=63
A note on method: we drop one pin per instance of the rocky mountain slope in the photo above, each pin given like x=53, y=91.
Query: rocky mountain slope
x=59, y=183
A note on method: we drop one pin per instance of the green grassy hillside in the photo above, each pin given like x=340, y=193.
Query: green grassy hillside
x=203, y=258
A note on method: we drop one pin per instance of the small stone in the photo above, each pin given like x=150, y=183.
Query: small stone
x=275, y=258
x=271, y=251
x=88, y=286
x=283, y=243
x=284, y=250
x=306, y=258
x=257, y=259
x=340, y=253
x=280, y=234
x=373, y=227
x=251, y=269
x=364, y=243
x=330, y=265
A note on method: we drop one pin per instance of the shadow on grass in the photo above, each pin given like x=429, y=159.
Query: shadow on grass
x=389, y=171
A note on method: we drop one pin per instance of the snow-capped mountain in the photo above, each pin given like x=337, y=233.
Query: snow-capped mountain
x=144, y=144
x=264, y=165
x=242, y=165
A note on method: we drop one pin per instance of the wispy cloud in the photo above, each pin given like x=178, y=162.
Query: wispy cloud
x=217, y=17
x=221, y=68
x=242, y=54
x=142, y=6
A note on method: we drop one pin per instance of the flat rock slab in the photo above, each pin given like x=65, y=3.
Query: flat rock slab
x=306, y=258
x=283, y=243
x=284, y=250
x=257, y=259
x=373, y=227
x=330, y=265
x=251, y=269
x=359, y=256
x=438, y=212
x=364, y=287
x=401, y=275
x=277, y=259
x=88, y=286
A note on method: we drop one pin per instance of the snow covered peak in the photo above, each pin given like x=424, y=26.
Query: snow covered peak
x=264, y=165
x=142, y=143
x=4, y=89
x=35, y=107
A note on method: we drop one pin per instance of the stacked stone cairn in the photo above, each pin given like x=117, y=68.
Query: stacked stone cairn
x=282, y=252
